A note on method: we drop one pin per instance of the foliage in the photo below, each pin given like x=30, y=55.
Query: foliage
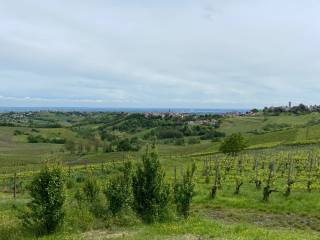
x=119, y=190
x=163, y=133
x=233, y=144
x=193, y=140
x=180, y=142
x=91, y=189
x=183, y=192
x=127, y=144
x=45, y=211
x=151, y=193
x=40, y=139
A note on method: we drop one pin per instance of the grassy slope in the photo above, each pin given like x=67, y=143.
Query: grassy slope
x=297, y=132
x=14, y=150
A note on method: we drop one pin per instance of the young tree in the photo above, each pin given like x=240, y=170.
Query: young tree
x=119, y=190
x=151, y=193
x=183, y=192
x=91, y=189
x=45, y=210
x=233, y=144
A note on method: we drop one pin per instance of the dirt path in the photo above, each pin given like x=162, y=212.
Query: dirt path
x=291, y=221
x=104, y=234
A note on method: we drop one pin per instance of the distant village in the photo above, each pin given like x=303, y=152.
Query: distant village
x=299, y=109
x=197, y=119
x=182, y=115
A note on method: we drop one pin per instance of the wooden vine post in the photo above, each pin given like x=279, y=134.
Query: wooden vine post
x=15, y=186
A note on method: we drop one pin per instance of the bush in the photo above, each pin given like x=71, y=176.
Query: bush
x=233, y=144
x=17, y=132
x=193, y=140
x=88, y=196
x=124, y=145
x=212, y=135
x=127, y=144
x=80, y=218
x=36, y=139
x=163, y=133
x=119, y=190
x=151, y=193
x=183, y=192
x=179, y=142
x=41, y=139
x=91, y=189
x=45, y=211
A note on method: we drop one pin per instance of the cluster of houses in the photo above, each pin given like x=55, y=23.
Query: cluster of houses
x=208, y=122
x=16, y=116
x=197, y=121
x=165, y=114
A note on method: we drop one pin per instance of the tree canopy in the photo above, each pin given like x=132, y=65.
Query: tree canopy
x=233, y=144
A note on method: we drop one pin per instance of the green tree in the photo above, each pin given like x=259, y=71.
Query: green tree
x=183, y=192
x=119, y=190
x=124, y=145
x=233, y=144
x=91, y=189
x=151, y=193
x=45, y=212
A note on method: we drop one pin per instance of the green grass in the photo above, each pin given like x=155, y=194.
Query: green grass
x=14, y=150
x=193, y=228
x=226, y=217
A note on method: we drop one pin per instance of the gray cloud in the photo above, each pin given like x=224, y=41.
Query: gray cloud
x=159, y=53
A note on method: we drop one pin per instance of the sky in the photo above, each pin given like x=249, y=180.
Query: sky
x=199, y=54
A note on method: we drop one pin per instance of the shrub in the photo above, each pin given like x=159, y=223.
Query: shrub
x=88, y=196
x=45, y=211
x=124, y=145
x=169, y=133
x=127, y=144
x=151, y=193
x=119, y=190
x=80, y=218
x=17, y=132
x=212, y=135
x=183, y=192
x=179, y=141
x=233, y=144
x=193, y=140
x=91, y=189
x=36, y=139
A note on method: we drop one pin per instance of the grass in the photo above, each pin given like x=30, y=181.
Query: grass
x=227, y=217
x=193, y=228
x=15, y=151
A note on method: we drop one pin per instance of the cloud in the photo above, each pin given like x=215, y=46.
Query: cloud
x=159, y=53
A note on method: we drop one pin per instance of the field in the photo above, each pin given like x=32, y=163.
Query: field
x=285, y=145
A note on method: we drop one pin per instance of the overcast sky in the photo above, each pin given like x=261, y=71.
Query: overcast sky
x=205, y=54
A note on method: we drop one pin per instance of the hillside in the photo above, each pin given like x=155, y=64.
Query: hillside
x=281, y=153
